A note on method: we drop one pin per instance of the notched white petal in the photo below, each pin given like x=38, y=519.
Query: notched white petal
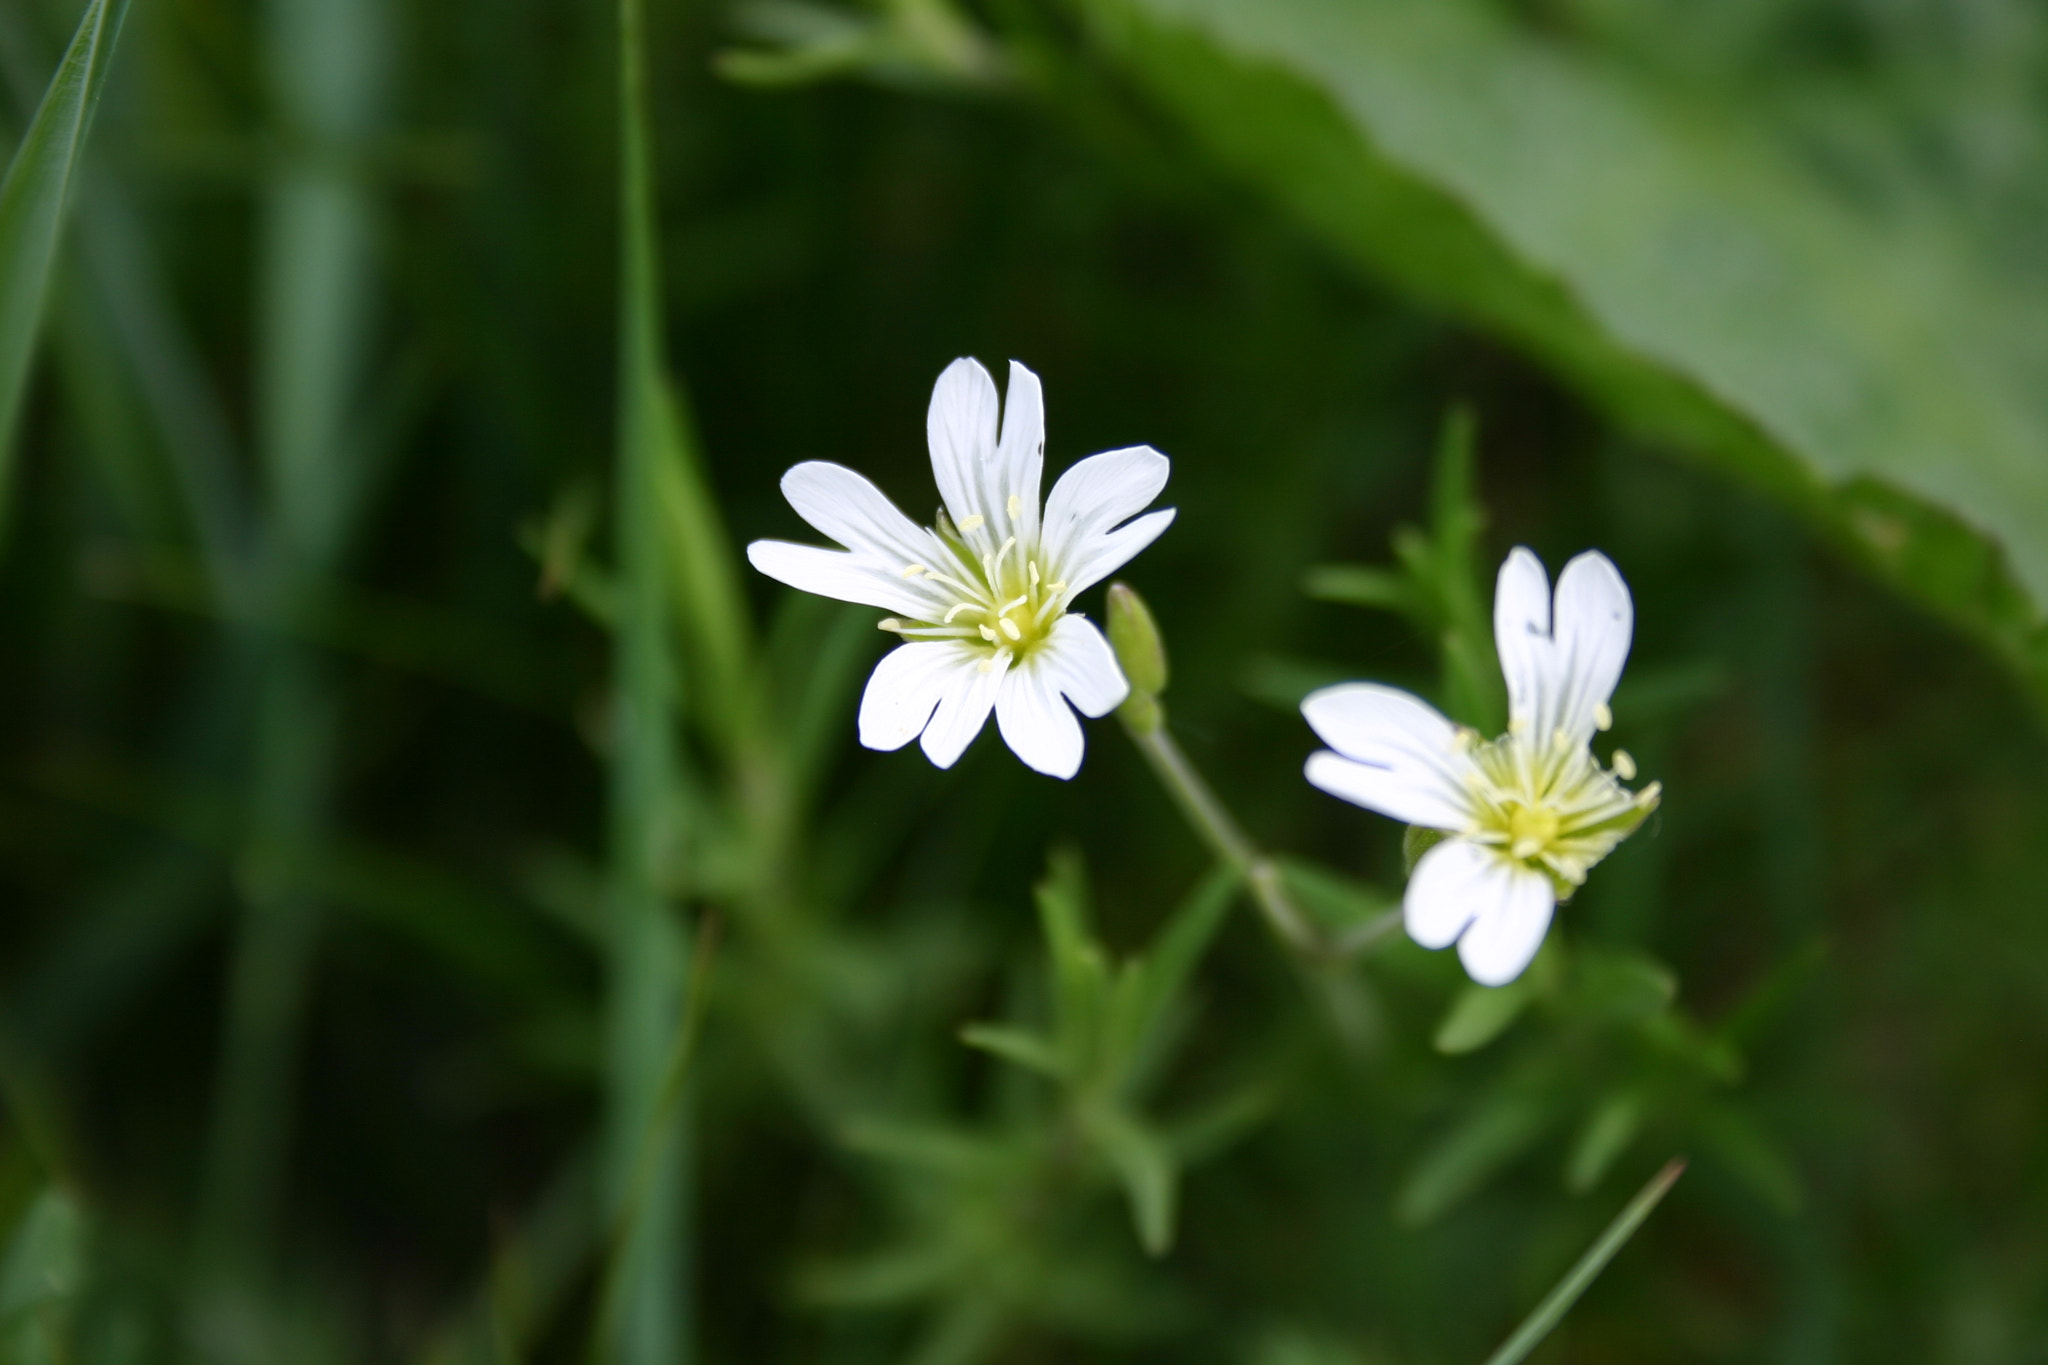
x=969, y=696
x=1398, y=795
x=839, y=574
x=1521, y=635
x=1595, y=622
x=1077, y=660
x=849, y=508
x=1095, y=558
x=1503, y=938
x=1036, y=721
x=905, y=688
x=1013, y=483
x=1099, y=494
x=1394, y=754
x=1451, y=886
x=961, y=428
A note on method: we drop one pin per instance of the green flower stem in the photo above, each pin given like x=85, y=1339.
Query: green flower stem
x=1559, y=1301
x=1220, y=831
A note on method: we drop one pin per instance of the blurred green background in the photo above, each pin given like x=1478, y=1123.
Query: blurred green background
x=451, y=918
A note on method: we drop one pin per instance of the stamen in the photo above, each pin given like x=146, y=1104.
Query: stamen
x=1013, y=604
x=1060, y=586
x=1034, y=572
x=1016, y=507
x=955, y=584
x=987, y=634
x=1624, y=765
x=912, y=570
x=1650, y=795
x=889, y=623
x=956, y=609
x=1007, y=546
x=1010, y=629
x=1602, y=717
x=973, y=523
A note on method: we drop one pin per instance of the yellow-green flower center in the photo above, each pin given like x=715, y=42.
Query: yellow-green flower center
x=1004, y=597
x=1550, y=805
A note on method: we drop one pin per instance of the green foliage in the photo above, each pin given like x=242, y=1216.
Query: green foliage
x=1669, y=250
x=392, y=725
x=36, y=192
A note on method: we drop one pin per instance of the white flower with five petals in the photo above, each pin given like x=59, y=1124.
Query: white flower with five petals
x=1525, y=816
x=982, y=600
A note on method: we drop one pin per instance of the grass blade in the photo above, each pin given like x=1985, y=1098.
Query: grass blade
x=1558, y=1301
x=35, y=193
x=647, y=1312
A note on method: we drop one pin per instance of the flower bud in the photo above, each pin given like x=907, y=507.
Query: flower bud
x=1135, y=637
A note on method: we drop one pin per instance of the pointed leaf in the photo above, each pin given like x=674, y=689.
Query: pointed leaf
x=36, y=192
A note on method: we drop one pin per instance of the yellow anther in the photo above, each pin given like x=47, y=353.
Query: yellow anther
x=912, y=570
x=1602, y=717
x=1016, y=507
x=973, y=523
x=1034, y=573
x=1060, y=586
x=1464, y=739
x=1649, y=795
x=888, y=623
x=1624, y=766
x=1010, y=629
x=987, y=634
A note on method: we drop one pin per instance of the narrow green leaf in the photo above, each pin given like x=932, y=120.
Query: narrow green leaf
x=1145, y=1166
x=1481, y=1014
x=1469, y=1154
x=36, y=192
x=1607, y=1134
x=1359, y=585
x=1559, y=1301
x=1027, y=1049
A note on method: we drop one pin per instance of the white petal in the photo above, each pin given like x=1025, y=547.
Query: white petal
x=1595, y=621
x=906, y=687
x=845, y=576
x=1521, y=634
x=961, y=426
x=1451, y=886
x=964, y=708
x=847, y=507
x=1394, y=754
x=1095, y=496
x=1094, y=560
x=1078, y=661
x=1507, y=933
x=1497, y=909
x=1036, y=721
x=1020, y=458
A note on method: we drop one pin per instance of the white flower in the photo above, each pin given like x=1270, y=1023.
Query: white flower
x=981, y=601
x=1526, y=815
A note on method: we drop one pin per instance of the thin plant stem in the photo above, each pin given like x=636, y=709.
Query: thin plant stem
x=1558, y=1302
x=1221, y=832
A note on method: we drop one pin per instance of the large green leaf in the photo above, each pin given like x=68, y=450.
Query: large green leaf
x=1666, y=250
x=37, y=189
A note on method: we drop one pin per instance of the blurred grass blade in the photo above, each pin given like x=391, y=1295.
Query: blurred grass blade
x=647, y=1315
x=35, y=193
x=1558, y=1302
